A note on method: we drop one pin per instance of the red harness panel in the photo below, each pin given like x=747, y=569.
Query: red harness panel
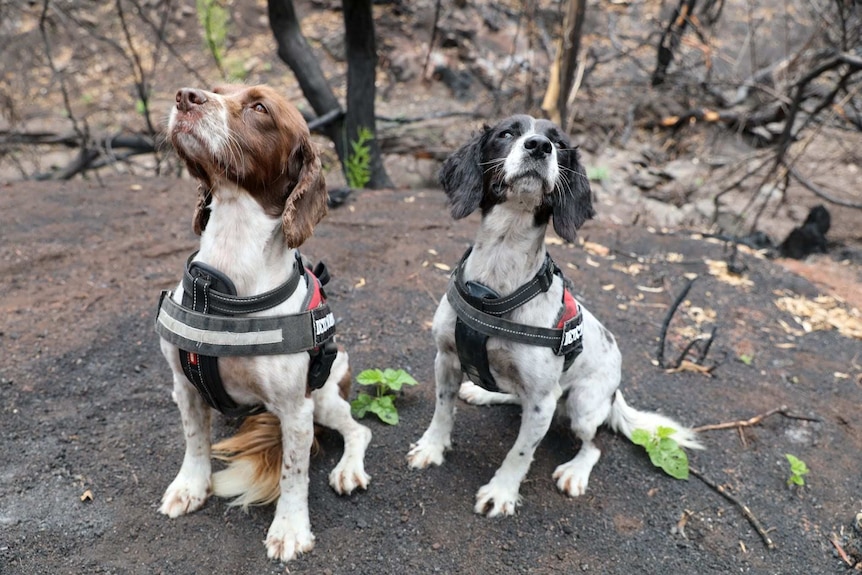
x=317, y=296
x=572, y=309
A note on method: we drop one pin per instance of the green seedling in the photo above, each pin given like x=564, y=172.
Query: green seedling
x=358, y=165
x=663, y=451
x=797, y=470
x=382, y=403
x=597, y=173
x=213, y=18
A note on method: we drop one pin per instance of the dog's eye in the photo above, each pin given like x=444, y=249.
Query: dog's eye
x=562, y=145
x=506, y=134
x=259, y=108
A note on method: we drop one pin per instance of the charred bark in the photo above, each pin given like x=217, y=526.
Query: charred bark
x=341, y=126
x=361, y=52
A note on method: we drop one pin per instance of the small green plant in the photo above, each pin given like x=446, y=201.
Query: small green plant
x=235, y=70
x=797, y=470
x=663, y=451
x=382, y=403
x=597, y=173
x=746, y=359
x=358, y=164
x=213, y=19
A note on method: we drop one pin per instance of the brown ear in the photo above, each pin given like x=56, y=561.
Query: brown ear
x=202, y=210
x=306, y=203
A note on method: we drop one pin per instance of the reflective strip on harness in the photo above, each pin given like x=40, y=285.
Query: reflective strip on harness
x=222, y=336
x=562, y=340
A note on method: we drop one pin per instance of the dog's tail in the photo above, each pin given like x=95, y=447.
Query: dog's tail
x=253, y=458
x=625, y=419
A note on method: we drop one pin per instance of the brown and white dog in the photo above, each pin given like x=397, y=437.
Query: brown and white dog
x=522, y=173
x=262, y=194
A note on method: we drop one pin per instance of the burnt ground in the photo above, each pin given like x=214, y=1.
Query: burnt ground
x=86, y=407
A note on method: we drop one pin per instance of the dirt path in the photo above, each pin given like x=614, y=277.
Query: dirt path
x=87, y=410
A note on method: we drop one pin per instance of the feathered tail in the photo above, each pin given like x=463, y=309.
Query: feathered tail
x=625, y=419
x=253, y=458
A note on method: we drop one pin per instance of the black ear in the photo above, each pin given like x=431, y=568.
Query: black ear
x=461, y=177
x=572, y=203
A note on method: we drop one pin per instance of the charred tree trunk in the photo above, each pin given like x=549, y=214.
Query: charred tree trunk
x=295, y=51
x=558, y=96
x=361, y=66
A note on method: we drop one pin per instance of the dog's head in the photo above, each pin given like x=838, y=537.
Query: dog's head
x=522, y=160
x=253, y=138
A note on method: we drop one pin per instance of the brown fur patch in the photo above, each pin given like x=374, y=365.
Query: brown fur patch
x=270, y=156
x=259, y=442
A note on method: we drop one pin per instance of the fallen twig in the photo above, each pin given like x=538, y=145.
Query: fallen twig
x=840, y=550
x=742, y=507
x=666, y=323
x=783, y=410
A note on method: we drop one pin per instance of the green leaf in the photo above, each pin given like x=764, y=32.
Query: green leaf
x=140, y=107
x=798, y=468
x=597, y=173
x=640, y=437
x=675, y=463
x=664, y=452
x=360, y=406
x=746, y=359
x=396, y=378
x=384, y=408
x=370, y=377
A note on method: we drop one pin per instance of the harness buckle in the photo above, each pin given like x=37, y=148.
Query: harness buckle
x=545, y=277
x=322, y=358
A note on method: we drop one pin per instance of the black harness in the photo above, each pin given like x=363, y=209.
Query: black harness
x=480, y=310
x=206, y=326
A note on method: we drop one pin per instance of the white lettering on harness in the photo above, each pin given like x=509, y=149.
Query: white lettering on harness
x=324, y=324
x=573, y=334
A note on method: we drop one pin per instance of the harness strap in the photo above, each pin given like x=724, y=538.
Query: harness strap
x=540, y=283
x=223, y=301
x=224, y=336
x=494, y=326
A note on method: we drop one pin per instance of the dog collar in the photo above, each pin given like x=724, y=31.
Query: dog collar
x=479, y=310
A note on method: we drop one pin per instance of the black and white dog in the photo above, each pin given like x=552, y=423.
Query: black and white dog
x=523, y=173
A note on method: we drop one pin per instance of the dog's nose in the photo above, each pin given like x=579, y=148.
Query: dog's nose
x=538, y=146
x=188, y=98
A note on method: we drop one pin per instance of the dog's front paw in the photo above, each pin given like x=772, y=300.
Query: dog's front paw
x=495, y=500
x=572, y=478
x=347, y=476
x=426, y=452
x=473, y=394
x=185, y=495
x=285, y=541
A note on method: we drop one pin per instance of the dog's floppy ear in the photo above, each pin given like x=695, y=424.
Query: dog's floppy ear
x=202, y=210
x=461, y=176
x=572, y=202
x=306, y=202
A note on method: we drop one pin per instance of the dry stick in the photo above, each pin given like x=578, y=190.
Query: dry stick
x=706, y=346
x=783, y=410
x=742, y=507
x=663, y=334
x=434, y=30
x=841, y=552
